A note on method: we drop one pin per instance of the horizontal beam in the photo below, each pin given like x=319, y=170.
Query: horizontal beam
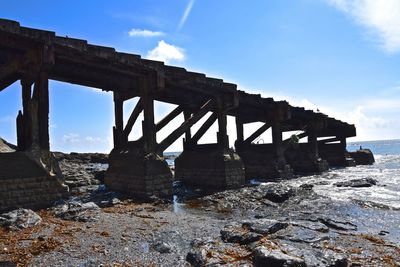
x=164, y=144
x=329, y=140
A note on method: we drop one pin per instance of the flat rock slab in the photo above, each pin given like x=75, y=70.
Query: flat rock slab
x=20, y=219
x=338, y=225
x=77, y=211
x=237, y=234
x=364, y=182
x=275, y=258
x=316, y=226
x=301, y=235
x=265, y=226
x=316, y=257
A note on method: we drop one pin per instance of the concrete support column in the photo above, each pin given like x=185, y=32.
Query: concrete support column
x=222, y=135
x=41, y=96
x=188, y=133
x=33, y=121
x=277, y=141
x=343, y=143
x=119, y=121
x=313, y=144
x=148, y=125
x=24, y=121
x=239, y=130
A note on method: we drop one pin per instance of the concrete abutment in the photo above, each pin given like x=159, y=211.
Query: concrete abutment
x=210, y=167
x=137, y=173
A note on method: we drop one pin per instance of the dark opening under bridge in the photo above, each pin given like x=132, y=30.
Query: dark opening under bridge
x=28, y=176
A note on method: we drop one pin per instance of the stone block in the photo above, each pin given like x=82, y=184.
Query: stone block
x=138, y=174
x=210, y=168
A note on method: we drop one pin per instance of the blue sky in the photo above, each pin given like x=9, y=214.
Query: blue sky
x=340, y=56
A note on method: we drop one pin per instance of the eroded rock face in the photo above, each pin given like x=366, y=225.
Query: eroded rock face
x=82, y=169
x=20, y=219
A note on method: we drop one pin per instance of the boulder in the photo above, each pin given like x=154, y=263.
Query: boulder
x=162, y=247
x=275, y=258
x=279, y=194
x=197, y=257
x=363, y=157
x=77, y=211
x=237, y=234
x=20, y=219
x=364, y=182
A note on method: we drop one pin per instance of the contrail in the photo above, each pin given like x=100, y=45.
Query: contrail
x=185, y=14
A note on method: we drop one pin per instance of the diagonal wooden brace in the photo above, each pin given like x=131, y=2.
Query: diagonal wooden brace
x=209, y=105
x=257, y=133
x=203, y=129
x=172, y=115
x=132, y=119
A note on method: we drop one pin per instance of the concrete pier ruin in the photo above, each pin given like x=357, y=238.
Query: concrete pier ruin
x=137, y=167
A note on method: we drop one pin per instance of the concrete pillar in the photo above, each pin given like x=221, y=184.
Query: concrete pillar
x=313, y=144
x=41, y=98
x=239, y=130
x=136, y=168
x=210, y=166
x=188, y=134
x=277, y=140
x=119, y=121
x=222, y=135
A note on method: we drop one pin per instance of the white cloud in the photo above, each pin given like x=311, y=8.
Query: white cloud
x=166, y=53
x=380, y=17
x=72, y=138
x=185, y=14
x=144, y=33
x=92, y=139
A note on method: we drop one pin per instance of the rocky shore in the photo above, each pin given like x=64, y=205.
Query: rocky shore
x=272, y=224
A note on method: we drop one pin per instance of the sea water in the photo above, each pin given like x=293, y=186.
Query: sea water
x=385, y=170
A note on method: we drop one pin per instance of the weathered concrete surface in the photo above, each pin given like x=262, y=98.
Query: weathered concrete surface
x=209, y=167
x=136, y=173
x=261, y=163
x=335, y=155
x=303, y=161
x=363, y=157
x=26, y=183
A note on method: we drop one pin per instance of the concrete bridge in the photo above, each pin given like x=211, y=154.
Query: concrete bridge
x=35, y=56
